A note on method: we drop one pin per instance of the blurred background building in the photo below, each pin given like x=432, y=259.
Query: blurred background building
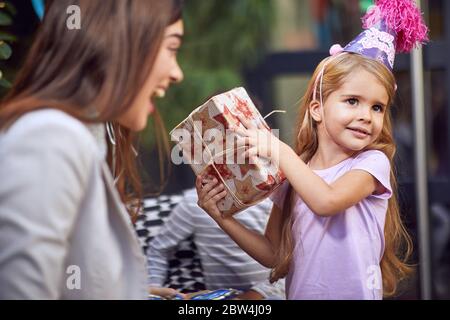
x=271, y=47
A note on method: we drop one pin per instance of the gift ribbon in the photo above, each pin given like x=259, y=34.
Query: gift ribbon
x=190, y=120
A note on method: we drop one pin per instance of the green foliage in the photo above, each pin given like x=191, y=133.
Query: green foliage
x=222, y=38
x=7, y=11
x=229, y=33
x=365, y=4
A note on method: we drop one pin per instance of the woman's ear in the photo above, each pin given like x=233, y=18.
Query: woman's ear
x=316, y=110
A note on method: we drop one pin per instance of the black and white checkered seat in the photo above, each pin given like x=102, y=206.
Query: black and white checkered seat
x=185, y=270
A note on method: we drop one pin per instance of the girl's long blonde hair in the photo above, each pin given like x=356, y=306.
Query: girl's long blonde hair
x=398, y=244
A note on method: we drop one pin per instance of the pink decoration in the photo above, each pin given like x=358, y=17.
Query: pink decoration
x=336, y=49
x=404, y=18
x=372, y=17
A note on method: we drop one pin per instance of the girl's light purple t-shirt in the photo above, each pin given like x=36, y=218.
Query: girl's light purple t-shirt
x=339, y=257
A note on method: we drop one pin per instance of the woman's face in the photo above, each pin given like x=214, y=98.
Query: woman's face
x=164, y=72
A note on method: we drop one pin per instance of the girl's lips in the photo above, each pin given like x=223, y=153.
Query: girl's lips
x=358, y=133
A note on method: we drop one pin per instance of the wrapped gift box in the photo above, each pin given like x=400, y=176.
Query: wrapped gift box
x=208, y=146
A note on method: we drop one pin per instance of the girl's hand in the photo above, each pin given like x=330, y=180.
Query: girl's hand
x=259, y=140
x=209, y=193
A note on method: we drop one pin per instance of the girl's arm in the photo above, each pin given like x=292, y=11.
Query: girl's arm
x=323, y=199
x=259, y=247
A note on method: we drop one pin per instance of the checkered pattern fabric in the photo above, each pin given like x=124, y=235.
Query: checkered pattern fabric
x=185, y=270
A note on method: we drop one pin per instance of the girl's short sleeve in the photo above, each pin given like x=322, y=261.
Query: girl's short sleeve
x=378, y=165
x=279, y=194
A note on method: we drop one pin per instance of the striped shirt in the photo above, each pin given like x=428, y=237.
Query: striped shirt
x=225, y=264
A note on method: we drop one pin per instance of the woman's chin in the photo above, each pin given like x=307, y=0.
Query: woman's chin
x=141, y=125
x=138, y=125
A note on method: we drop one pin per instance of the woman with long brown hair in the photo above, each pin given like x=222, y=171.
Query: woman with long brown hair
x=79, y=100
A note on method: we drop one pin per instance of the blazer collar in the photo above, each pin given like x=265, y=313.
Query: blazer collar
x=99, y=132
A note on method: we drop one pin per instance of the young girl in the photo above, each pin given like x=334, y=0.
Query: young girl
x=335, y=229
x=65, y=232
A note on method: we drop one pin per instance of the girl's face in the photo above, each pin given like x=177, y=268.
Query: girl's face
x=164, y=72
x=352, y=117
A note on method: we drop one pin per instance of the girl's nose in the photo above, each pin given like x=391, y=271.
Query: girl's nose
x=365, y=114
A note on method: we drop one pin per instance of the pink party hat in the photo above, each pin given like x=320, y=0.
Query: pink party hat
x=392, y=26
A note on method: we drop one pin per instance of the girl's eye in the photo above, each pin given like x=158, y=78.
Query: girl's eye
x=378, y=108
x=352, y=101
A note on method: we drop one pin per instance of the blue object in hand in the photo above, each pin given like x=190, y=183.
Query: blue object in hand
x=222, y=294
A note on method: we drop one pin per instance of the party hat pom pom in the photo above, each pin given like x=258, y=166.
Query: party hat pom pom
x=404, y=18
x=336, y=49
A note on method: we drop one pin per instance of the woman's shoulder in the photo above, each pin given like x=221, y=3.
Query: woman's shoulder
x=46, y=119
x=50, y=126
x=50, y=133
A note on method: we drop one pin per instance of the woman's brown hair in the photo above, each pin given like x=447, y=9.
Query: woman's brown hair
x=398, y=244
x=95, y=73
